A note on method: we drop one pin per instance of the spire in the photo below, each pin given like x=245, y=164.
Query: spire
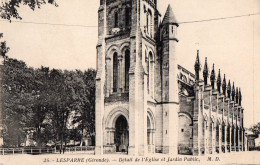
x=233, y=92
x=206, y=72
x=240, y=97
x=229, y=89
x=224, y=85
x=219, y=81
x=197, y=66
x=169, y=16
x=237, y=95
x=213, y=77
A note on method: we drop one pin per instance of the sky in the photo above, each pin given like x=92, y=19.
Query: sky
x=231, y=44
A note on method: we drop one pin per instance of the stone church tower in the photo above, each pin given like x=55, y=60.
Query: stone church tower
x=145, y=101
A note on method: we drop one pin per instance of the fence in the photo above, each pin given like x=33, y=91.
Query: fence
x=37, y=151
x=33, y=151
x=79, y=148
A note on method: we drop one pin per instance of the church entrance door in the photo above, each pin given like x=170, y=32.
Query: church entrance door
x=121, y=134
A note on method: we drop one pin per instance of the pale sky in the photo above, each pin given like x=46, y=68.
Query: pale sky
x=232, y=44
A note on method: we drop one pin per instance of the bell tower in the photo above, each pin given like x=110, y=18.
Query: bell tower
x=126, y=35
x=170, y=93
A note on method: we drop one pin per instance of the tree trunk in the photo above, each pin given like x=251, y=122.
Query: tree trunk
x=18, y=141
x=39, y=143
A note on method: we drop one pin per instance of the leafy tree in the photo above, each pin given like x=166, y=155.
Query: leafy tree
x=8, y=9
x=86, y=110
x=44, y=100
x=23, y=101
x=255, y=129
x=39, y=104
x=3, y=47
x=14, y=100
x=89, y=78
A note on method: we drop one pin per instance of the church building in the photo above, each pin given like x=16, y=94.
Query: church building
x=145, y=101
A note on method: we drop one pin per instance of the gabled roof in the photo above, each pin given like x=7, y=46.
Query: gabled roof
x=169, y=17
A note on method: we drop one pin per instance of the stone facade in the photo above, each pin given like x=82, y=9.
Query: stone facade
x=145, y=101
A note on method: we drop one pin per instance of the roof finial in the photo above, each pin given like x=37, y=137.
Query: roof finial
x=213, y=77
x=219, y=81
x=233, y=92
x=197, y=66
x=237, y=95
x=206, y=72
x=229, y=89
x=240, y=97
x=224, y=85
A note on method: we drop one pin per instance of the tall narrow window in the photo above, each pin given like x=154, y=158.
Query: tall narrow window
x=151, y=24
x=127, y=16
x=127, y=66
x=147, y=70
x=116, y=19
x=147, y=23
x=115, y=72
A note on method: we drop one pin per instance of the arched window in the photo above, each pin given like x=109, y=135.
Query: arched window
x=115, y=72
x=116, y=19
x=127, y=66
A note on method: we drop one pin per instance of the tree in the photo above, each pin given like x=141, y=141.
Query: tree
x=255, y=129
x=43, y=101
x=15, y=100
x=24, y=103
x=3, y=47
x=39, y=104
x=8, y=9
x=86, y=112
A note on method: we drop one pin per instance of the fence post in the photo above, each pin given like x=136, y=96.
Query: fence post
x=47, y=150
x=22, y=150
x=13, y=151
x=3, y=151
x=81, y=148
x=40, y=150
x=31, y=150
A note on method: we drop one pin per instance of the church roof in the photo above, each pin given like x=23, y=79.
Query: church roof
x=169, y=17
